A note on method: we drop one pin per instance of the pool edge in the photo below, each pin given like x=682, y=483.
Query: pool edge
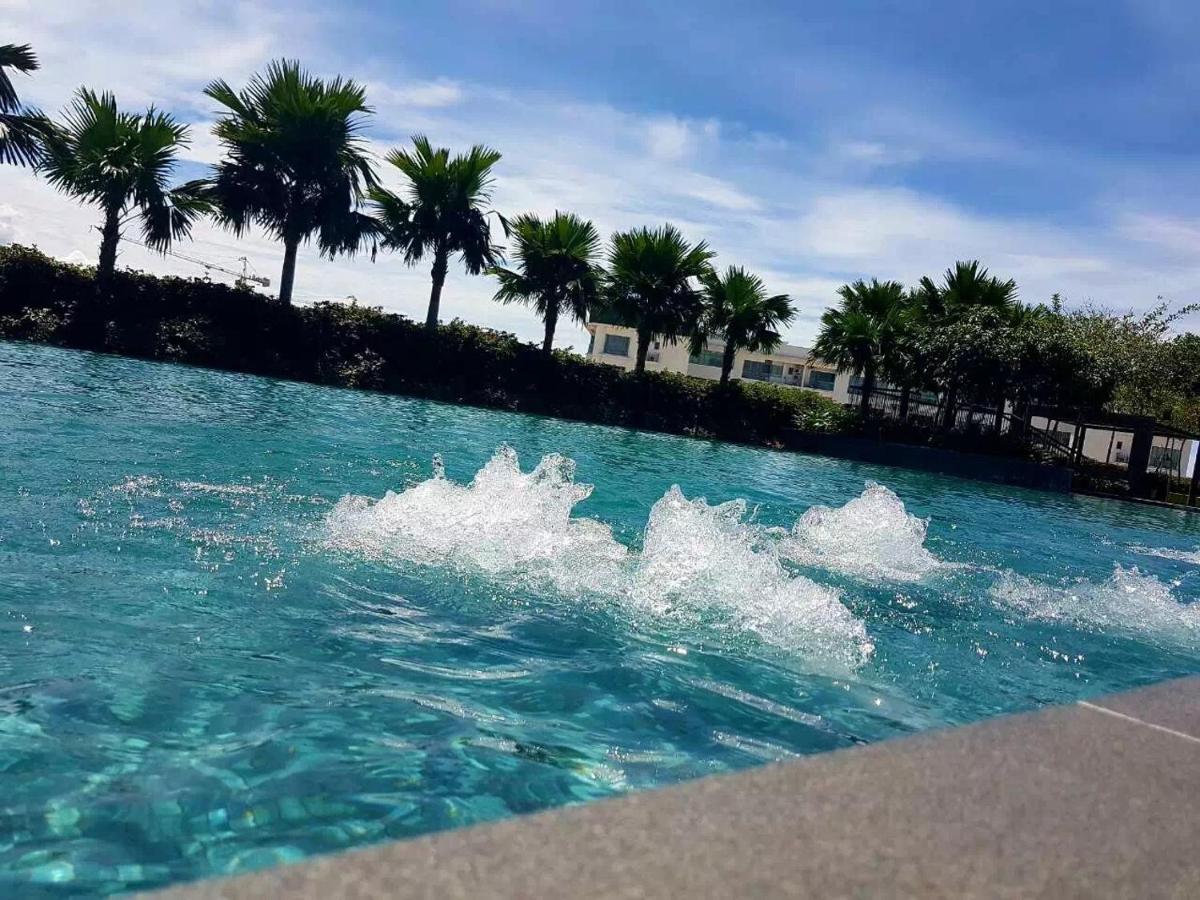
x=1094, y=798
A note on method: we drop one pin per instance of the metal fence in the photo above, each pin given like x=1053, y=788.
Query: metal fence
x=926, y=412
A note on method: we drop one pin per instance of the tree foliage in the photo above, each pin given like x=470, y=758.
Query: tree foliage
x=738, y=310
x=862, y=332
x=296, y=164
x=22, y=130
x=558, y=269
x=444, y=211
x=653, y=284
x=123, y=163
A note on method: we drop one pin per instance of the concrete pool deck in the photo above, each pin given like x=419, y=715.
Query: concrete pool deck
x=1097, y=799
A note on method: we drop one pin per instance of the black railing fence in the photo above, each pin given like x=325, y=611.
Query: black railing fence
x=923, y=411
x=1162, y=472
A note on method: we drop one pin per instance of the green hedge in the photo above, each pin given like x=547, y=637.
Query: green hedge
x=200, y=323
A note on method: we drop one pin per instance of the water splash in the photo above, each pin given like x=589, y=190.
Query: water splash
x=702, y=562
x=871, y=537
x=1187, y=556
x=505, y=522
x=1128, y=602
x=699, y=564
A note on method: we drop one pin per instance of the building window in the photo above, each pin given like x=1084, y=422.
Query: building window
x=761, y=371
x=821, y=381
x=1164, y=458
x=616, y=345
x=706, y=358
x=591, y=343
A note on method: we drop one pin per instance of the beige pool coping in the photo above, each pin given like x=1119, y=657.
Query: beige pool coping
x=1097, y=799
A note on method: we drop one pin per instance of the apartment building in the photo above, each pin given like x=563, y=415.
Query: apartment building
x=787, y=365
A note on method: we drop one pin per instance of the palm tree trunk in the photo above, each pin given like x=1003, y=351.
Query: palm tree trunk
x=905, y=399
x=643, y=348
x=868, y=386
x=441, y=262
x=727, y=360
x=110, y=235
x=1001, y=402
x=551, y=324
x=951, y=405
x=288, y=278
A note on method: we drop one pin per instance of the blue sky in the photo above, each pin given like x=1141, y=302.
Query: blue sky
x=815, y=143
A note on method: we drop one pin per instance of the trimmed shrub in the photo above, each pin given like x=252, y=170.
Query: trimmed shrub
x=201, y=323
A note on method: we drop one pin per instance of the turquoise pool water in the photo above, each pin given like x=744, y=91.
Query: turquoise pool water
x=224, y=645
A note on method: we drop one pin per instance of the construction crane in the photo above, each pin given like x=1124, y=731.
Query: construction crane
x=241, y=278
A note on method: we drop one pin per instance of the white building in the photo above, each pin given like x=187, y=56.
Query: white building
x=787, y=365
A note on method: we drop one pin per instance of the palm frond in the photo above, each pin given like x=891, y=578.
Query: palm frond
x=295, y=163
x=444, y=207
x=123, y=162
x=17, y=58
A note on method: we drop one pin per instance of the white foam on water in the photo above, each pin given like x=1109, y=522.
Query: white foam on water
x=702, y=562
x=700, y=565
x=505, y=522
x=1187, y=556
x=1130, y=602
x=871, y=537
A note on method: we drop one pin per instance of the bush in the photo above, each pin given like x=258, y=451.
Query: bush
x=197, y=322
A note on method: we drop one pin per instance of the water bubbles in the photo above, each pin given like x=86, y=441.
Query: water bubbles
x=1129, y=602
x=704, y=563
x=505, y=523
x=871, y=537
x=700, y=565
x=1187, y=556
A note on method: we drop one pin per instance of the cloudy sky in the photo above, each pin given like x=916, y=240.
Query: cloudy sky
x=813, y=143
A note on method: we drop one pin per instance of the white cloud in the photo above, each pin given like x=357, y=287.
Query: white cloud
x=8, y=223
x=671, y=139
x=1173, y=232
x=421, y=94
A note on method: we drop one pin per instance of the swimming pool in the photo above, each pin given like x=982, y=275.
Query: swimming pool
x=224, y=644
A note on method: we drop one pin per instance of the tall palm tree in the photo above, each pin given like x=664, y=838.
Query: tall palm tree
x=652, y=284
x=967, y=286
x=123, y=163
x=858, y=335
x=559, y=269
x=443, y=212
x=738, y=309
x=21, y=129
x=295, y=163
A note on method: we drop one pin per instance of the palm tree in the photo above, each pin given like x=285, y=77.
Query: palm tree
x=967, y=286
x=295, y=164
x=738, y=309
x=21, y=129
x=123, y=163
x=559, y=269
x=652, y=275
x=904, y=363
x=859, y=335
x=444, y=211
